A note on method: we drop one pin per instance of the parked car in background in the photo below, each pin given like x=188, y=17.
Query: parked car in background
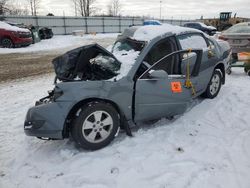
x=238, y=36
x=210, y=30
x=33, y=29
x=152, y=22
x=12, y=36
x=45, y=33
x=151, y=72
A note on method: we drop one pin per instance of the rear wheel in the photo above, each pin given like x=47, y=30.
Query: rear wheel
x=214, y=85
x=248, y=72
x=229, y=71
x=245, y=69
x=7, y=43
x=95, y=126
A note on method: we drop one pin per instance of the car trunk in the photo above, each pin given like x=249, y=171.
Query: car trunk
x=240, y=40
x=91, y=62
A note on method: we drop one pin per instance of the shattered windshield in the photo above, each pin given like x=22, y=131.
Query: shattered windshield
x=126, y=51
x=128, y=45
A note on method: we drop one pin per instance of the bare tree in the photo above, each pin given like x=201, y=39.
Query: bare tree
x=34, y=6
x=114, y=8
x=12, y=7
x=84, y=7
x=17, y=10
x=2, y=6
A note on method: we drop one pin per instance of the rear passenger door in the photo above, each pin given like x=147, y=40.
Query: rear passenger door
x=209, y=57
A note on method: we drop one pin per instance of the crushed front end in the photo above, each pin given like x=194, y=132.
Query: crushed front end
x=46, y=119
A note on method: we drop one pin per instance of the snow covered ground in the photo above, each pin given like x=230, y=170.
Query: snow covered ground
x=59, y=42
x=208, y=146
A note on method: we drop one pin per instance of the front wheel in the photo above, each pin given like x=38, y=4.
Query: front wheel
x=7, y=43
x=95, y=126
x=214, y=85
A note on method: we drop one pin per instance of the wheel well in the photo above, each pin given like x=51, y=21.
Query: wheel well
x=6, y=37
x=221, y=67
x=77, y=106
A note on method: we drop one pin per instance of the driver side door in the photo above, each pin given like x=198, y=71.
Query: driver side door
x=161, y=95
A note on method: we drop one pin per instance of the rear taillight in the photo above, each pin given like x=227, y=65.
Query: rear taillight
x=223, y=38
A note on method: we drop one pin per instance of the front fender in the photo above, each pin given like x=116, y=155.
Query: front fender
x=119, y=93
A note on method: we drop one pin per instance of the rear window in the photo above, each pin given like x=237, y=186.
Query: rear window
x=239, y=28
x=195, y=41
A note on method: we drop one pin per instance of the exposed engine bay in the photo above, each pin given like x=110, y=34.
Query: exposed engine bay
x=91, y=62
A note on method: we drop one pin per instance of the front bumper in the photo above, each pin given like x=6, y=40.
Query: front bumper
x=22, y=41
x=47, y=120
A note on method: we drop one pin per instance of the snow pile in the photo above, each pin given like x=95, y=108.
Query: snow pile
x=9, y=27
x=60, y=42
x=206, y=147
x=147, y=33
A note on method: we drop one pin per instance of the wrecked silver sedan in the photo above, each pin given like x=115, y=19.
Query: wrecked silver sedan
x=150, y=72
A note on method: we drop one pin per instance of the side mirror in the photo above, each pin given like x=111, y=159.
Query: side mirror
x=160, y=74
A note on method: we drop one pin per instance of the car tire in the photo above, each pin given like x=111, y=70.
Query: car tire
x=214, y=85
x=229, y=71
x=246, y=69
x=248, y=72
x=7, y=43
x=95, y=126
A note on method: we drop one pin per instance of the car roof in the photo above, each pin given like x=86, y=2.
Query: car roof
x=149, y=32
x=7, y=26
x=194, y=23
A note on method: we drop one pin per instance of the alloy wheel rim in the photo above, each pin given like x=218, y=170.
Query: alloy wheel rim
x=7, y=43
x=97, y=126
x=215, y=84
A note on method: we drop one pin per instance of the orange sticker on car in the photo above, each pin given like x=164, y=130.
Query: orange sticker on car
x=176, y=87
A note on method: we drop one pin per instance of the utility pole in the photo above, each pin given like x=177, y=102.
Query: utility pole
x=160, y=9
x=35, y=7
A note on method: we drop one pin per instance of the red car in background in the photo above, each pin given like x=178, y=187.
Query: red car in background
x=12, y=36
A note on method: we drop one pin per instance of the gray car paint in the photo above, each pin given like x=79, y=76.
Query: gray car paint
x=121, y=93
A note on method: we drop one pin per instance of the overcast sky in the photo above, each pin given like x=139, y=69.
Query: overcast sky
x=187, y=9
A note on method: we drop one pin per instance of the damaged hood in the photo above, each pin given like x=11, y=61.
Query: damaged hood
x=90, y=62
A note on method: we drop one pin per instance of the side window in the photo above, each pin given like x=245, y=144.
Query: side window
x=211, y=44
x=193, y=41
x=157, y=52
x=160, y=50
x=197, y=26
